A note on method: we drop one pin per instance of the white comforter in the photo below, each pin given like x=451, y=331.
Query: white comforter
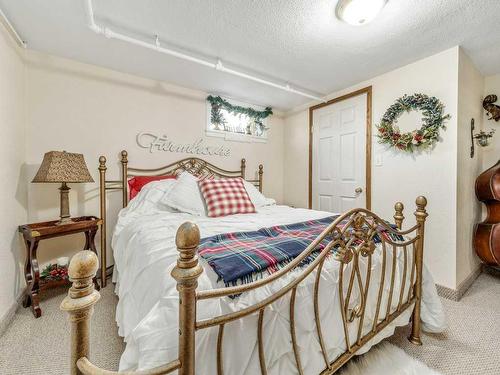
x=147, y=313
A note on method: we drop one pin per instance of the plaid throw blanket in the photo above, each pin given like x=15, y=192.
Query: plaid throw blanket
x=243, y=256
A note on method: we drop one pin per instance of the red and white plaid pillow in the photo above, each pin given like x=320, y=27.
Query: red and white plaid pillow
x=226, y=196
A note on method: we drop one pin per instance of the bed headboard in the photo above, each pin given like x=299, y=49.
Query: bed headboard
x=193, y=165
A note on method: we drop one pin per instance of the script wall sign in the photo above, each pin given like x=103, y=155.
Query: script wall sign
x=155, y=143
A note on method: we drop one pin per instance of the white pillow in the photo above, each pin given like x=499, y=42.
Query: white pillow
x=149, y=198
x=185, y=195
x=257, y=198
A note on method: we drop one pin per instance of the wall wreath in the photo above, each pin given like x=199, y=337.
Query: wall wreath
x=432, y=121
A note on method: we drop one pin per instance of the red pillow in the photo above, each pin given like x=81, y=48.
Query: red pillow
x=136, y=183
x=226, y=196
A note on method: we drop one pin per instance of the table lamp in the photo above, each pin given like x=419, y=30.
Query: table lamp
x=63, y=167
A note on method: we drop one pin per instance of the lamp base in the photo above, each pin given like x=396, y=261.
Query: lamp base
x=64, y=221
x=64, y=204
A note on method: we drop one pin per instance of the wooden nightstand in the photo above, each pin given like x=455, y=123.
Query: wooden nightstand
x=33, y=234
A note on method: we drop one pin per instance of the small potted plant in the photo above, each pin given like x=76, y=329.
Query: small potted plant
x=483, y=138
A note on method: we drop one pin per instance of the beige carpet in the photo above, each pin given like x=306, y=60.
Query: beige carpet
x=41, y=346
x=470, y=345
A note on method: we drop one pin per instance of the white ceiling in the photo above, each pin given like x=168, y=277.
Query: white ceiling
x=295, y=41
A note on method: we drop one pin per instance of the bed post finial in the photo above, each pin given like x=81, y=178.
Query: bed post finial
x=186, y=273
x=124, y=162
x=243, y=167
x=79, y=303
x=421, y=202
x=261, y=175
x=420, y=215
x=398, y=215
x=102, y=204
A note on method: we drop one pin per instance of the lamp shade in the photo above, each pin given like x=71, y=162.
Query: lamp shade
x=62, y=166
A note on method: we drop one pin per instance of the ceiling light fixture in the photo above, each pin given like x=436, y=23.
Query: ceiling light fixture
x=359, y=12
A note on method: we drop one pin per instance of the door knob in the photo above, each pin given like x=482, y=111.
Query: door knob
x=358, y=190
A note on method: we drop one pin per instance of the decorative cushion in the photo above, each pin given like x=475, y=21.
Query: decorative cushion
x=257, y=198
x=185, y=195
x=136, y=183
x=149, y=198
x=226, y=196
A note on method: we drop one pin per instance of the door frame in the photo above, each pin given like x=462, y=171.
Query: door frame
x=368, y=141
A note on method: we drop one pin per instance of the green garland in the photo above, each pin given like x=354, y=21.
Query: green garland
x=218, y=103
x=428, y=134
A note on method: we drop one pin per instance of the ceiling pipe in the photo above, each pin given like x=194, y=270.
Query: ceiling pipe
x=156, y=46
x=12, y=30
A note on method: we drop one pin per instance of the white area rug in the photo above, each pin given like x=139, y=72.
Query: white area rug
x=386, y=359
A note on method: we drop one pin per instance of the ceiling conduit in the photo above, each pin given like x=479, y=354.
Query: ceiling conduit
x=156, y=46
x=12, y=30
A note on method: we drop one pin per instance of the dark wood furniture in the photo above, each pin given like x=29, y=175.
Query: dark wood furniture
x=33, y=234
x=487, y=233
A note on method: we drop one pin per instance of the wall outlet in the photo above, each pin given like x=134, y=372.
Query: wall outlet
x=379, y=160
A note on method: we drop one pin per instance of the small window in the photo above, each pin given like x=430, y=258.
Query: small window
x=236, y=121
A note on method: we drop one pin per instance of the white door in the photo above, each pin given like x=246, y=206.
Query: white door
x=339, y=155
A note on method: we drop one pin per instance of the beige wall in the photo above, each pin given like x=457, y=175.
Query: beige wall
x=13, y=197
x=296, y=159
x=49, y=103
x=491, y=154
x=432, y=173
x=82, y=108
x=470, y=96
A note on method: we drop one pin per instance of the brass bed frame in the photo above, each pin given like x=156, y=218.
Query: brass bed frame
x=352, y=242
x=193, y=165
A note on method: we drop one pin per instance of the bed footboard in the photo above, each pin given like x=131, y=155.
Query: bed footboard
x=351, y=245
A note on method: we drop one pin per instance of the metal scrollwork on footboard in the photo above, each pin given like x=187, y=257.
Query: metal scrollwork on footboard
x=351, y=242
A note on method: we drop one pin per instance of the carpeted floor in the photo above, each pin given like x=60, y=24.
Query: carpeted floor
x=469, y=346
x=41, y=346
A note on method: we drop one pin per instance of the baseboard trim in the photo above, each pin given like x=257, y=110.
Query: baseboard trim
x=9, y=314
x=457, y=294
x=6, y=319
